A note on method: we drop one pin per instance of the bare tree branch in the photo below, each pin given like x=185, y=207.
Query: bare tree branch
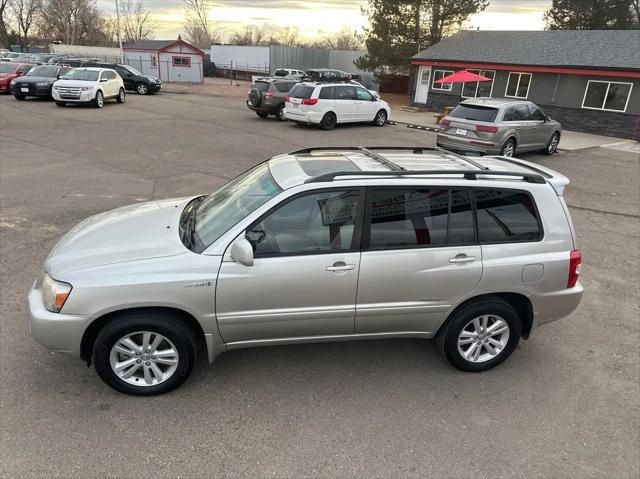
x=135, y=21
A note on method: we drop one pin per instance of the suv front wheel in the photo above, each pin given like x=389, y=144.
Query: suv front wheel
x=480, y=335
x=98, y=101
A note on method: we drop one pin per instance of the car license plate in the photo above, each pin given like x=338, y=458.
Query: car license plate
x=460, y=131
x=24, y=89
x=295, y=105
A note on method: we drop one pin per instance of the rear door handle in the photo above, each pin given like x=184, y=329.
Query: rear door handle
x=341, y=266
x=462, y=258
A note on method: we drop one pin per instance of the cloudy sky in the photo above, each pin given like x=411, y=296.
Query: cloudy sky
x=316, y=17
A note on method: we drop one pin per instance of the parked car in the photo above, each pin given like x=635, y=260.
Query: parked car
x=10, y=56
x=9, y=71
x=132, y=78
x=327, y=104
x=38, y=81
x=289, y=73
x=499, y=126
x=267, y=97
x=326, y=74
x=88, y=85
x=324, y=244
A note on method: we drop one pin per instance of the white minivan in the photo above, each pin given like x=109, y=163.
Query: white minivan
x=327, y=104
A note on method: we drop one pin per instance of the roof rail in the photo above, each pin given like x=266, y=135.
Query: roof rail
x=467, y=174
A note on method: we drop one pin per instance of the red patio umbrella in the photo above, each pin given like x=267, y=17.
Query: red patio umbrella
x=463, y=76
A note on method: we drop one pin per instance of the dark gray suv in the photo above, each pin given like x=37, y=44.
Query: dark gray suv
x=267, y=97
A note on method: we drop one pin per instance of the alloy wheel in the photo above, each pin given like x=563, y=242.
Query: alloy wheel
x=144, y=358
x=100, y=100
x=553, y=143
x=508, y=149
x=381, y=118
x=142, y=89
x=483, y=338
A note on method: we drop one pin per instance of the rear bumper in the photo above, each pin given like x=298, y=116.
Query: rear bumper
x=452, y=142
x=548, y=307
x=268, y=108
x=55, y=331
x=303, y=116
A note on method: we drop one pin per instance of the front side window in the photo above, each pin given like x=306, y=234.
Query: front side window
x=602, y=95
x=234, y=201
x=364, y=95
x=439, y=75
x=323, y=222
x=181, y=61
x=536, y=114
x=506, y=216
x=518, y=85
x=420, y=218
x=479, y=89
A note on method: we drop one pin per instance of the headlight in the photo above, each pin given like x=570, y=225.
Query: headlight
x=55, y=87
x=54, y=293
x=85, y=88
x=13, y=82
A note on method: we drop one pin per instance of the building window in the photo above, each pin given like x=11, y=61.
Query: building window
x=518, y=85
x=181, y=61
x=605, y=95
x=153, y=61
x=477, y=89
x=439, y=74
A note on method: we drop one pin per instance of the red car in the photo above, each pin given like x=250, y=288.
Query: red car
x=9, y=71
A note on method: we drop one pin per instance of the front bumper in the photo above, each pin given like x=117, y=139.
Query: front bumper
x=84, y=97
x=32, y=90
x=155, y=87
x=457, y=143
x=55, y=331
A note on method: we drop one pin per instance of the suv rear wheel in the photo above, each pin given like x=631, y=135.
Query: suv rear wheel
x=143, y=353
x=481, y=335
x=508, y=148
x=280, y=113
x=329, y=121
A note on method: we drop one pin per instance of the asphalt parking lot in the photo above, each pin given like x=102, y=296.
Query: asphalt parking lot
x=566, y=404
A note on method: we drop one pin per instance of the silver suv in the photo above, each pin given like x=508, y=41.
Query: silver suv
x=324, y=244
x=499, y=126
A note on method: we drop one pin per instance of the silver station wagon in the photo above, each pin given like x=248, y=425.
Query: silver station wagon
x=322, y=244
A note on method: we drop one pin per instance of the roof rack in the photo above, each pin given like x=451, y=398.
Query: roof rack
x=467, y=174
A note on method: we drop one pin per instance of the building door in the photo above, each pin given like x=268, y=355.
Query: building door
x=422, y=84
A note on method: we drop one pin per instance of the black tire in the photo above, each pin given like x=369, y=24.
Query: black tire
x=448, y=336
x=552, y=145
x=280, y=113
x=121, y=96
x=98, y=101
x=380, y=119
x=255, y=97
x=60, y=103
x=142, y=88
x=18, y=96
x=165, y=324
x=262, y=114
x=329, y=121
x=508, y=148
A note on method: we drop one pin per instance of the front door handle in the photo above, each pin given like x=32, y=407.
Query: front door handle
x=462, y=258
x=341, y=266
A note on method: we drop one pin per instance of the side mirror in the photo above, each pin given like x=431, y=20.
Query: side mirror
x=548, y=118
x=242, y=252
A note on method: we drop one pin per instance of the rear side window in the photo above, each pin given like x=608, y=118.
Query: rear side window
x=474, y=112
x=301, y=91
x=419, y=218
x=261, y=86
x=506, y=216
x=281, y=73
x=283, y=87
x=327, y=93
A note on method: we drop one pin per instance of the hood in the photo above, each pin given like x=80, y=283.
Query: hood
x=76, y=83
x=35, y=79
x=153, y=79
x=136, y=232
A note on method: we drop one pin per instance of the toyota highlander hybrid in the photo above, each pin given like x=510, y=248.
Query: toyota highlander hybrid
x=324, y=244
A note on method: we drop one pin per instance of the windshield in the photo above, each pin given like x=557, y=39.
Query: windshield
x=43, y=71
x=87, y=75
x=8, y=67
x=224, y=208
x=131, y=69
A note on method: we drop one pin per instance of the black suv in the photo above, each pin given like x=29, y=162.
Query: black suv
x=267, y=97
x=132, y=78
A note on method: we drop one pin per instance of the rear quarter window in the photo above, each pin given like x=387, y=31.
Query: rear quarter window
x=473, y=112
x=506, y=216
x=302, y=91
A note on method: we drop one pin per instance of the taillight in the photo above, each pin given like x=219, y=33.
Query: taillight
x=445, y=122
x=486, y=129
x=575, y=263
x=268, y=95
x=309, y=101
x=287, y=99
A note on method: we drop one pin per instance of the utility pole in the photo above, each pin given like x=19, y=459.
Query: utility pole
x=118, y=32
